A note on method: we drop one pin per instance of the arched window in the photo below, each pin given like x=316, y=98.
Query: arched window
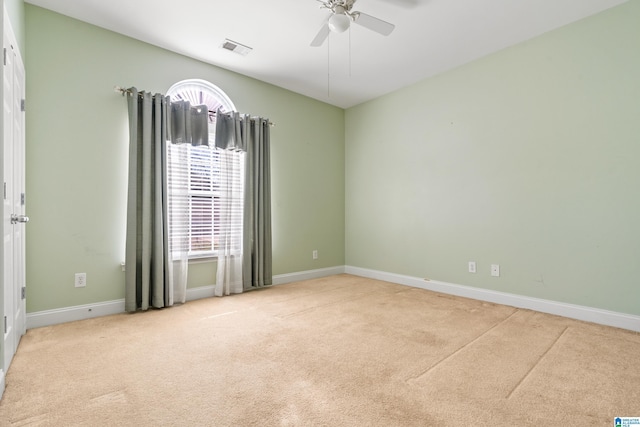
x=201, y=92
x=194, y=176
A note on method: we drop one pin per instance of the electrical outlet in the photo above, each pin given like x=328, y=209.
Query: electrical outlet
x=472, y=266
x=314, y=254
x=495, y=270
x=81, y=280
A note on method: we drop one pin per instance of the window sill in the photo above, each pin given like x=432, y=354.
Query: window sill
x=202, y=259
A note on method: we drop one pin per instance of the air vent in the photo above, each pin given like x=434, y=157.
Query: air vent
x=236, y=47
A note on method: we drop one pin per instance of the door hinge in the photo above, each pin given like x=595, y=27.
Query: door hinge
x=23, y=104
x=22, y=199
x=5, y=324
x=5, y=56
x=5, y=191
x=24, y=292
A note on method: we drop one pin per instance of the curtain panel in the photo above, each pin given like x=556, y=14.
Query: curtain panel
x=148, y=275
x=257, y=261
x=156, y=275
x=189, y=124
x=239, y=132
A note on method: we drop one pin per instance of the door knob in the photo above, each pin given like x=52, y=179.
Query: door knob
x=19, y=218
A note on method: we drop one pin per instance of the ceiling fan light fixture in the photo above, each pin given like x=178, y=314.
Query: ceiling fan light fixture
x=339, y=22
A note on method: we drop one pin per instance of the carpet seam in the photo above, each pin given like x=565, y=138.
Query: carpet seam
x=30, y=420
x=537, y=362
x=462, y=348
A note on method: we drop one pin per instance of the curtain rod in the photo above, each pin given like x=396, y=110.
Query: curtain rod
x=123, y=91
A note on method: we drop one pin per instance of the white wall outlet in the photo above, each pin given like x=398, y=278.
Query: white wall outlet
x=314, y=254
x=81, y=280
x=495, y=270
x=472, y=266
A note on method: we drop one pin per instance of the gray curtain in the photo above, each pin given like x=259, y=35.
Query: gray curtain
x=148, y=272
x=257, y=260
x=152, y=278
x=232, y=130
x=252, y=135
x=189, y=125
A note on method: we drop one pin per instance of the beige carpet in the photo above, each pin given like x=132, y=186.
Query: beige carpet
x=339, y=351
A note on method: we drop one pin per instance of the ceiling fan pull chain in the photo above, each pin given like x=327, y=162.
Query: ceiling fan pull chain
x=328, y=67
x=349, y=52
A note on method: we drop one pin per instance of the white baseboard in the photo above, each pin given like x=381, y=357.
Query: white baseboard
x=588, y=314
x=88, y=311
x=200, y=292
x=71, y=314
x=281, y=279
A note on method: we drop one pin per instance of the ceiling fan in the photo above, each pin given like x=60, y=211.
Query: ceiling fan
x=341, y=18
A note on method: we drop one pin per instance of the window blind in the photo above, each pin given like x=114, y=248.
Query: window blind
x=197, y=202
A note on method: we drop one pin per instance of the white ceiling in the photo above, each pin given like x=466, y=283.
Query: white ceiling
x=431, y=36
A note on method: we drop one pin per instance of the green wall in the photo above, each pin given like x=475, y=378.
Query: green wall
x=528, y=158
x=77, y=143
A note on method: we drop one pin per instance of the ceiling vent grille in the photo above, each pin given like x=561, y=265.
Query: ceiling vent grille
x=236, y=47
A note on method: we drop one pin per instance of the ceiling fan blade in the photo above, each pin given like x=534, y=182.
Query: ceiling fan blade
x=374, y=24
x=321, y=36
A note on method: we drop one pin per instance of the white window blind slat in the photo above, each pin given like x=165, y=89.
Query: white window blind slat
x=194, y=198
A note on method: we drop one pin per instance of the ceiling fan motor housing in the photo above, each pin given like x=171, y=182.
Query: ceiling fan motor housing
x=339, y=22
x=341, y=18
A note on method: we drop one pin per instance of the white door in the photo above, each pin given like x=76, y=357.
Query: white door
x=13, y=196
